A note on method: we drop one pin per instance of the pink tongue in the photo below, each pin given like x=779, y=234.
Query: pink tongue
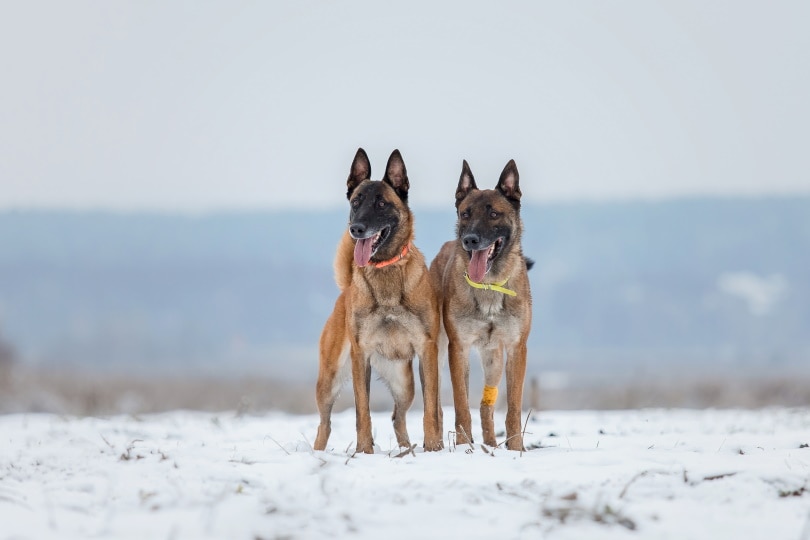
x=362, y=251
x=478, y=265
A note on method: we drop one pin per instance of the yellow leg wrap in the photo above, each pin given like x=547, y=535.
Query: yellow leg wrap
x=490, y=395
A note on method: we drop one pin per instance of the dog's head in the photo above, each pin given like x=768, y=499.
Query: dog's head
x=489, y=225
x=379, y=220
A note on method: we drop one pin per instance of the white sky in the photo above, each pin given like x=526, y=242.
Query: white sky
x=198, y=105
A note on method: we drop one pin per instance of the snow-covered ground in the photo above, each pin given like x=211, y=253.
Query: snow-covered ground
x=627, y=474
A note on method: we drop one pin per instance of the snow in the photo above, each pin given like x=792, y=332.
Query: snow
x=618, y=474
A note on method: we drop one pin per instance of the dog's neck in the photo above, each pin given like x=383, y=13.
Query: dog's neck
x=499, y=287
x=402, y=255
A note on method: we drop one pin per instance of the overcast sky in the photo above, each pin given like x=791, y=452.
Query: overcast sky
x=199, y=106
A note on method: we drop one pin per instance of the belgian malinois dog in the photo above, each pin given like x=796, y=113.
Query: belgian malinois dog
x=482, y=282
x=387, y=311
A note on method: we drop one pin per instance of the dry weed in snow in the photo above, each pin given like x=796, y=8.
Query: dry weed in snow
x=622, y=474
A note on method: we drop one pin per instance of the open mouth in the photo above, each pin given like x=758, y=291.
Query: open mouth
x=365, y=248
x=481, y=260
x=379, y=238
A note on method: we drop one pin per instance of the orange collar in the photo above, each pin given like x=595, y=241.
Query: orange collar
x=398, y=258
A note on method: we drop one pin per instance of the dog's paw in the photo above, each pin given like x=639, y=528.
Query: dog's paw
x=433, y=444
x=463, y=439
x=322, y=437
x=365, y=448
x=515, y=443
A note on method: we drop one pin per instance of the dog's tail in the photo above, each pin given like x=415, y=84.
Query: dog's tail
x=529, y=263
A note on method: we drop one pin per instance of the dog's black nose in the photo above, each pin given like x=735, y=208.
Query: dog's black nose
x=471, y=242
x=357, y=230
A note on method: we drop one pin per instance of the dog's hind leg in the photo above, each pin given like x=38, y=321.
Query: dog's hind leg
x=492, y=362
x=442, y=355
x=398, y=375
x=334, y=352
x=330, y=381
x=459, y=360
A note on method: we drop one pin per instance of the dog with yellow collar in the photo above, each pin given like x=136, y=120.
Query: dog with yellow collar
x=482, y=283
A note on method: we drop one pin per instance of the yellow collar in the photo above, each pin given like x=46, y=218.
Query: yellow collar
x=491, y=286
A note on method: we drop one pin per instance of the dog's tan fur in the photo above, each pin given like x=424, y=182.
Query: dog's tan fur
x=488, y=320
x=382, y=318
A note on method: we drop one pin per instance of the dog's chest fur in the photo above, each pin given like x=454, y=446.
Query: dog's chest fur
x=488, y=322
x=385, y=324
x=489, y=305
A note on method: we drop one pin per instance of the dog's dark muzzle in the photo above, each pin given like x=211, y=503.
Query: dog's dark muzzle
x=359, y=231
x=471, y=242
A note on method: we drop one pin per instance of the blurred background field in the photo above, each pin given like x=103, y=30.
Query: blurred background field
x=89, y=393
x=172, y=188
x=693, y=302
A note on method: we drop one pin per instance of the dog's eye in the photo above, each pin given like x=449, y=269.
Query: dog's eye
x=465, y=214
x=355, y=203
x=493, y=214
x=381, y=204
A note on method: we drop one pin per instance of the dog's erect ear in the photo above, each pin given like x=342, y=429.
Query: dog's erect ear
x=361, y=171
x=396, y=176
x=466, y=183
x=508, y=183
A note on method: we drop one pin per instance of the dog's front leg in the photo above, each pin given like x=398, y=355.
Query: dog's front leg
x=492, y=362
x=361, y=378
x=515, y=374
x=429, y=375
